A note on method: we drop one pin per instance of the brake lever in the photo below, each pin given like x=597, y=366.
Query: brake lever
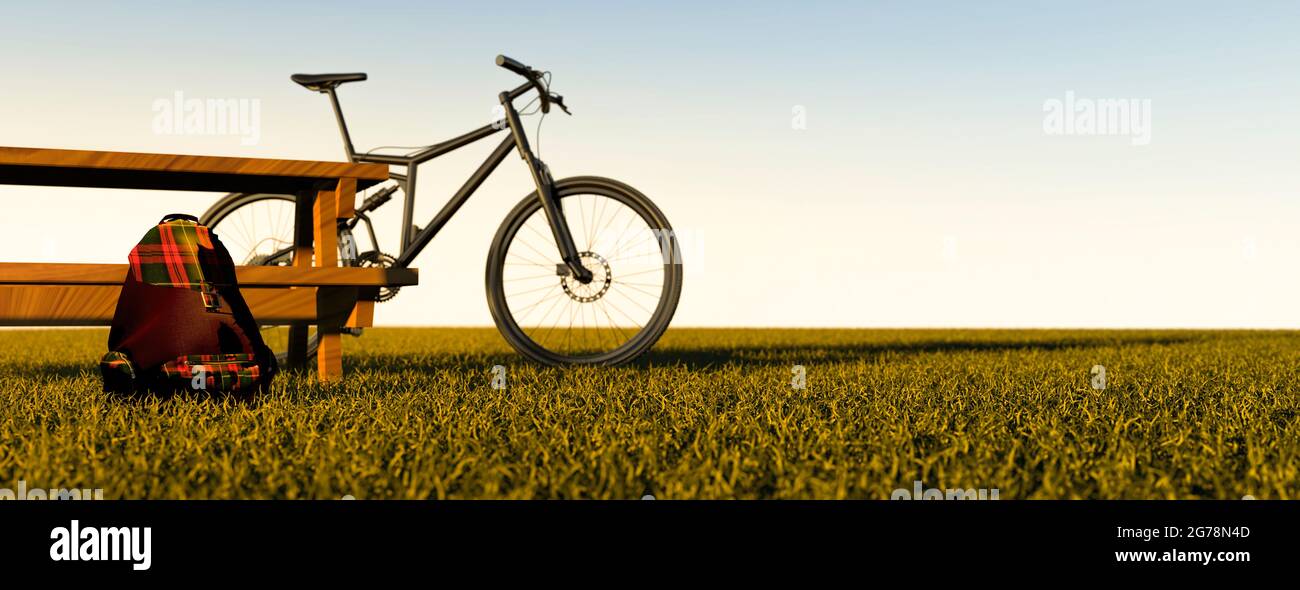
x=559, y=101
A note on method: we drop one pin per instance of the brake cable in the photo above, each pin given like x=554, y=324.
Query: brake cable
x=546, y=87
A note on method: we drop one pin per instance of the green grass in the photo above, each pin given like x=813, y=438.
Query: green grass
x=710, y=414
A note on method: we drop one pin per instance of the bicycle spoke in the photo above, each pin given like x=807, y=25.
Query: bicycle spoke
x=582, y=211
x=615, y=216
x=568, y=334
x=637, y=303
x=640, y=284
x=546, y=315
x=538, y=302
x=592, y=237
x=651, y=238
x=624, y=314
x=530, y=261
x=530, y=290
x=604, y=308
x=257, y=228
x=530, y=247
x=558, y=318
x=530, y=278
x=551, y=309
x=640, y=290
x=629, y=274
x=614, y=327
x=545, y=239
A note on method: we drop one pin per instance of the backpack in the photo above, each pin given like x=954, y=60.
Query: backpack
x=181, y=323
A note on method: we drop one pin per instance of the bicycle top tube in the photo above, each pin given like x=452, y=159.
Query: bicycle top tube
x=437, y=149
x=444, y=147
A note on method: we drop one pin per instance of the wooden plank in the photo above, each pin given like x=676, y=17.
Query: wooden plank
x=363, y=315
x=283, y=276
x=93, y=305
x=329, y=356
x=133, y=161
x=279, y=306
x=46, y=273
x=325, y=232
x=90, y=305
x=346, y=194
x=325, y=217
x=125, y=170
x=18, y=273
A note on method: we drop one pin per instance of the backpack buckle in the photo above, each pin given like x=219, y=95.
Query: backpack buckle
x=211, y=298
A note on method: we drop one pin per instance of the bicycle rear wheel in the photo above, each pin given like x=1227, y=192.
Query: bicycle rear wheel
x=554, y=319
x=257, y=229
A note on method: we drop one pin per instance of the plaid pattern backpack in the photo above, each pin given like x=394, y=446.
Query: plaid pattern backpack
x=180, y=322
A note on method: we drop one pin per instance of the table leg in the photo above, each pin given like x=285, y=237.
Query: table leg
x=331, y=206
x=303, y=230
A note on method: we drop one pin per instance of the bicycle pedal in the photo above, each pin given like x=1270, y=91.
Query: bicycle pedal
x=350, y=331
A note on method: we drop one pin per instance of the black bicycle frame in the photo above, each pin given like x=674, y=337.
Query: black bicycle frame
x=411, y=242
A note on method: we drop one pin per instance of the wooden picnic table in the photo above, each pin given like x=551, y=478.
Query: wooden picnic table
x=319, y=292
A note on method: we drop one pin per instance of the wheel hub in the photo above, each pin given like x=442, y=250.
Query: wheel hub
x=601, y=278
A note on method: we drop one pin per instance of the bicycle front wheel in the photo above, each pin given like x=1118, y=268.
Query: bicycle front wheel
x=626, y=242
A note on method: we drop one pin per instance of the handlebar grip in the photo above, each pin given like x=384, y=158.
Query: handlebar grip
x=514, y=66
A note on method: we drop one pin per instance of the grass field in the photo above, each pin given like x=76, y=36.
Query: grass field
x=709, y=414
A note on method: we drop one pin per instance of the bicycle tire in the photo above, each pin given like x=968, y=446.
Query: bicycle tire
x=670, y=291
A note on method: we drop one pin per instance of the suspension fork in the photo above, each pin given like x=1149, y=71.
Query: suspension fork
x=546, y=191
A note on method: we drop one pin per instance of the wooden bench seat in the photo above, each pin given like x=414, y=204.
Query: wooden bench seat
x=44, y=294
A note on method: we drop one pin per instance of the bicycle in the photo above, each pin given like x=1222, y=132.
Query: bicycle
x=541, y=292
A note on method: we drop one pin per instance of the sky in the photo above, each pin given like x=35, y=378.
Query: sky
x=854, y=164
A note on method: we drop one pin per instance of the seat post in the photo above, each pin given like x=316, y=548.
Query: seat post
x=343, y=126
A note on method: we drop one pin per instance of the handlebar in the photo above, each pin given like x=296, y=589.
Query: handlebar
x=515, y=66
x=535, y=80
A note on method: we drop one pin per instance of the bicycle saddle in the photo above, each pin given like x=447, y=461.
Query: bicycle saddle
x=323, y=82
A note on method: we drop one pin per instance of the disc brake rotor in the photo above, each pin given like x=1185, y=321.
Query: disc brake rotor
x=601, y=278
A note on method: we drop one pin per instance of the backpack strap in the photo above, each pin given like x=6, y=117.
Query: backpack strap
x=175, y=216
